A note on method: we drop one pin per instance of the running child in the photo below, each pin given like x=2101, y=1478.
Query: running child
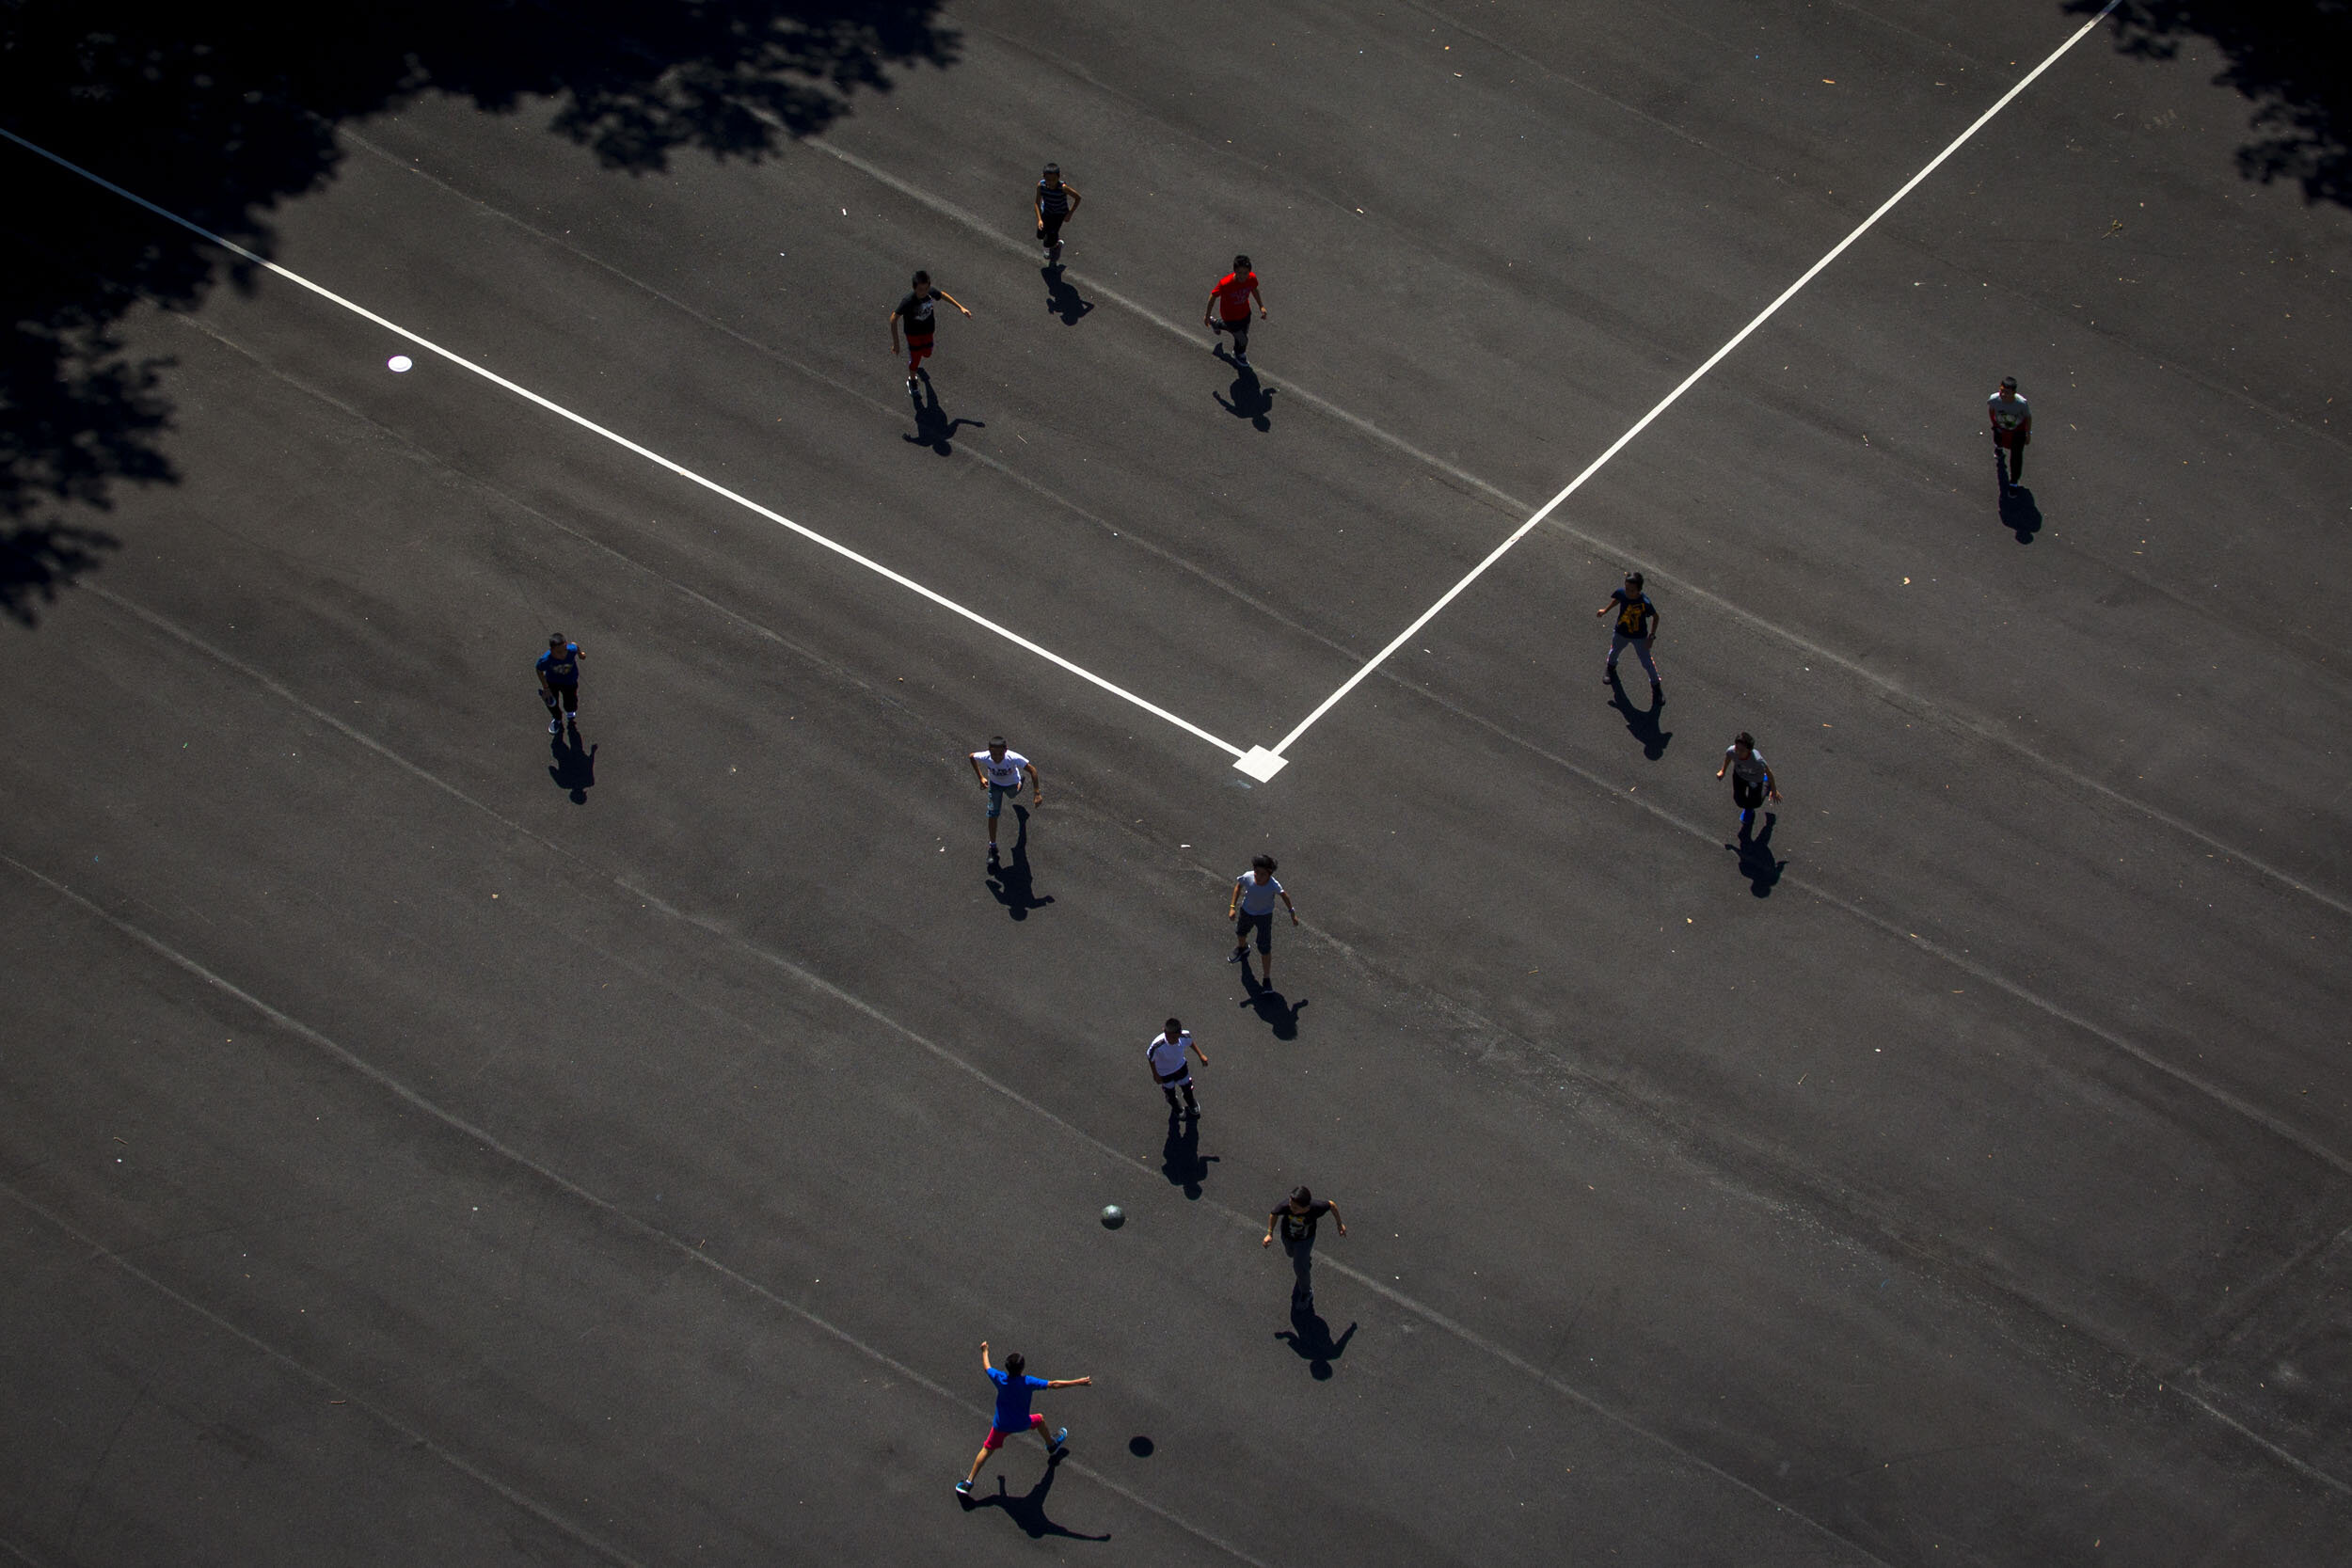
x=1056, y=203
x=1751, y=778
x=1166, y=1056
x=558, y=682
x=916, y=312
x=999, y=774
x=1014, y=1387
x=1230, y=300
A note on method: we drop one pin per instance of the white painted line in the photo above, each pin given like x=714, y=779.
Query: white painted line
x=1688, y=382
x=624, y=443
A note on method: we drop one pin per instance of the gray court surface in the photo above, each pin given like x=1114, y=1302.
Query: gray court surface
x=428, y=1142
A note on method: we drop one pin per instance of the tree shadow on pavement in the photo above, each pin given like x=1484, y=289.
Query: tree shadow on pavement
x=1310, y=1337
x=39, y=558
x=1009, y=879
x=1278, y=1012
x=1756, y=863
x=1061, y=299
x=2286, y=57
x=1029, y=1509
x=221, y=113
x=1640, y=722
x=933, y=427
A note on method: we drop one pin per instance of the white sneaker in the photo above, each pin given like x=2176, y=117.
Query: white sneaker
x=555, y=726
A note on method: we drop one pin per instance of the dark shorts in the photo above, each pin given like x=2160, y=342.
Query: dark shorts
x=1049, y=227
x=1239, y=329
x=1262, y=924
x=1747, y=797
x=568, y=696
x=2012, y=437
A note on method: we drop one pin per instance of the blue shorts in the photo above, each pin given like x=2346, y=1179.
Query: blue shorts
x=996, y=794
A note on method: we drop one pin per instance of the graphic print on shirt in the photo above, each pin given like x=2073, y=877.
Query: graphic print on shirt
x=2007, y=413
x=1004, y=774
x=562, y=670
x=916, y=311
x=1633, y=614
x=1232, y=296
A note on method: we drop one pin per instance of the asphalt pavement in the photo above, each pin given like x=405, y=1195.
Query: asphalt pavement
x=430, y=1140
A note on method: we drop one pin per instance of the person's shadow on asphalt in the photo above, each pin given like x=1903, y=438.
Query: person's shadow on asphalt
x=933, y=427
x=2019, y=514
x=1756, y=858
x=1181, y=1159
x=1642, y=722
x=573, y=768
x=1250, y=400
x=1029, y=1509
x=1060, y=298
x=1310, y=1337
x=1278, y=1012
x=1009, y=880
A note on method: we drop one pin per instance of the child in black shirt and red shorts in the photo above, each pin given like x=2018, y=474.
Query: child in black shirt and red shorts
x=916, y=312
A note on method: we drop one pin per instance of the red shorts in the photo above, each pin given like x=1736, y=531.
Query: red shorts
x=918, y=350
x=996, y=1438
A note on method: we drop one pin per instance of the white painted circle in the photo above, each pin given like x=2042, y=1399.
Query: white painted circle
x=398, y=363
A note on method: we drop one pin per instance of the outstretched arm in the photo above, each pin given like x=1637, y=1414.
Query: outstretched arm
x=986, y=1364
x=950, y=299
x=1069, y=1381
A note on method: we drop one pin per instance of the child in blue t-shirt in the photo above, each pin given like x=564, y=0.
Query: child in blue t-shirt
x=1014, y=1387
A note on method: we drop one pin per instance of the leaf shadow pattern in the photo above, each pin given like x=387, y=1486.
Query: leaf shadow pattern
x=2286, y=57
x=221, y=113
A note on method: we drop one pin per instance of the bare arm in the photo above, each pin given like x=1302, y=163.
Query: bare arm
x=1292, y=908
x=1271, y=1221
x=1335, y=1217
x=1202, y=1054
x=1036, y=786
x=976, y=771
x=1209, y=309
x=1069, y=1381
x=950, y=299
x=1233, y=905
x=1074, y=198
x=986, y=1364
x=1260, y=298
x=893, y=331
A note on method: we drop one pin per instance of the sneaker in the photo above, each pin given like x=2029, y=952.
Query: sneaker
x=555, y=726
x=1608, y=674
x=1061, y=1437
x=915, y=387
x=964, y=1488
x=1239, y=954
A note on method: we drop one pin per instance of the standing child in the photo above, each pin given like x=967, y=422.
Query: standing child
x=1056, y=203
x=915, y=311
x=1637, y=627
x=1751, y=778
x=2013, y=428
x=558, y=682
x=1230, y=299
x=1000, y=772
x=1014, y=1387
x=1251, y=911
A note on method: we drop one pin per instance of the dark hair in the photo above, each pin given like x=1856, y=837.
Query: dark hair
x=1241, y=264
x=1175, y=1027
x=1053, y=168
x=1744, y=738
x=1301, y=1196
x=922, y=277
x=1015, y=1364
x=1266, y=862
x=555, y=640
x=2009, y=384
x=996, y=741
x=1633, y=579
